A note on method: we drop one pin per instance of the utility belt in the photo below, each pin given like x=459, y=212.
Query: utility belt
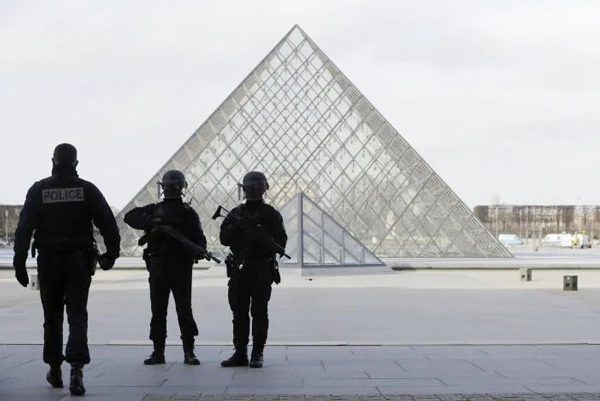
x=62, y=244
x=236, y=265
x=157, y=260
x=69, y=245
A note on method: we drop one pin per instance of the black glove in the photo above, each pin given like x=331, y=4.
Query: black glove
x=21, y=270
x=106, y=262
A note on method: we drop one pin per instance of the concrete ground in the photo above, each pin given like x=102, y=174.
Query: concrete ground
x=410, y=335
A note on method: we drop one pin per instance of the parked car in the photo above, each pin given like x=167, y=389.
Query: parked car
x=551, y=240
x=510, y=239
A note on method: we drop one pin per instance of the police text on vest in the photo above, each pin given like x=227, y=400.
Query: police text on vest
x=57, y=195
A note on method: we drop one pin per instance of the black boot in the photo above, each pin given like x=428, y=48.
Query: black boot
x=158, y=355
x=239, y=358
x=54, y=376
x=77, y=387
x=256, y=359
x=188, y=353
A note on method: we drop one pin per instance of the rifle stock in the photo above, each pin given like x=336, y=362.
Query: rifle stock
x=197, y=250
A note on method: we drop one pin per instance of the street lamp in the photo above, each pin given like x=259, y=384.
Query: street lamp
x=495, y=201
x=579, y=213
x=6, y=226
x=592, y=227
x=497, y=222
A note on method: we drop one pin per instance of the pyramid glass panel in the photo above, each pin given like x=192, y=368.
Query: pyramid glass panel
x=301, y=121
x=323, y=242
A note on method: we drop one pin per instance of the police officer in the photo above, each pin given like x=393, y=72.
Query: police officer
x=61, y=210
x=248, y=230
x=169, y=263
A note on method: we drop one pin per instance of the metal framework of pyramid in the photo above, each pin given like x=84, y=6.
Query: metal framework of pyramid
x=298, y=119
x=323, y=242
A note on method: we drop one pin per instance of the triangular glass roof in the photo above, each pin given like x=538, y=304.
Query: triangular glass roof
x=298, y=119
x=323, y=243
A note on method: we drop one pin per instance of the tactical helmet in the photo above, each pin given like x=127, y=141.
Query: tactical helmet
x=65, y=154
x=254, y=185
x=173, y=183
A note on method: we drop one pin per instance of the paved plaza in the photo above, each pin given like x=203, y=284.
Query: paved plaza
x=405, y=335
x=116, y=373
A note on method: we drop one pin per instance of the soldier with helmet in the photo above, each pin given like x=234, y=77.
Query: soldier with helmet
x=244, y=230
x=169, y=263
x=60, y=211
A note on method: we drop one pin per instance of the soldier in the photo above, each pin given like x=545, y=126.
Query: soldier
x=248, y=230
x=169, y=263
x=61, y=210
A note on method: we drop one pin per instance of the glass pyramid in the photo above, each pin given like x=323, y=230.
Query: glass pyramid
x=298, y=119
x=323, y=243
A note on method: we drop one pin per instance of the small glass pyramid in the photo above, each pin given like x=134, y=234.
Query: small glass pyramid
x=323, y=243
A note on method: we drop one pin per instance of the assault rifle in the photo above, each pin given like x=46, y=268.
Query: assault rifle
x=253, y=230
x=197, y=250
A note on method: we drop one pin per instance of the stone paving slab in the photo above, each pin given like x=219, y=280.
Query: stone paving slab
x=468, y=373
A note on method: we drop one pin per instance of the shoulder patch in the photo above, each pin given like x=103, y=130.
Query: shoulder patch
x=62, y=195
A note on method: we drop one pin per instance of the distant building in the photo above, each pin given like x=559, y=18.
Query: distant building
x=530, y=221
x=9, y=217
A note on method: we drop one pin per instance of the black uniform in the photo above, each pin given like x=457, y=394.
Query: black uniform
x=250, y=286
x=61, y=210
x=169, y=263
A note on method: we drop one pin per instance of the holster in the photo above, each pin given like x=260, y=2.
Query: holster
x=147, y=256
x=232, y=264
x=33, y=248
x=92, y=254
x=276, y=275
x=153, y=259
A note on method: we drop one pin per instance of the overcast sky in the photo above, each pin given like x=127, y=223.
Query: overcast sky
x=500, y=97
